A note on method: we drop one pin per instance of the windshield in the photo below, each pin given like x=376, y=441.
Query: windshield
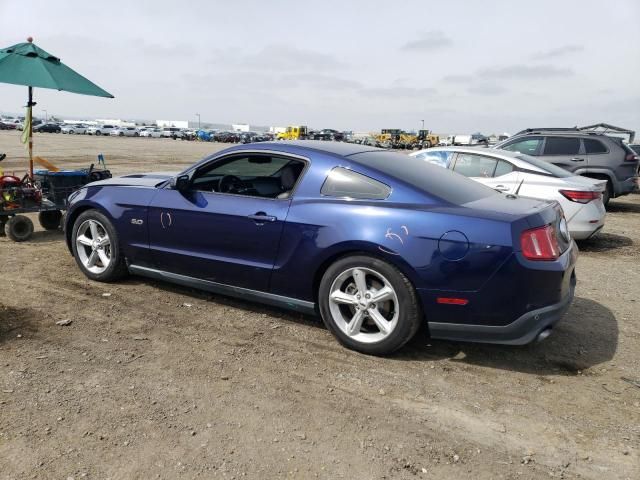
x=546, y=166
x=440, y=182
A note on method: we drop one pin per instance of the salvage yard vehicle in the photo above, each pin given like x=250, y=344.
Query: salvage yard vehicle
x=47, y=128
x=426, y=139
x=296, y=132
x=125, y=132
x=518, y=174
x=582, y=152
x=100, y=130
x=77, y=129
x=376, y=242
x=172, y=132
x=151, y=132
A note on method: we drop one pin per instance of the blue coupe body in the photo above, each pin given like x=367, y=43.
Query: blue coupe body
x=270, y=238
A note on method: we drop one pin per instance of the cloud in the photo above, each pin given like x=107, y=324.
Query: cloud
x=524, y=72
x=428, y=41
x=458, y=78
x=395, y=92
x=558, y=52
x=487, y=89
x=280, y=58
x=319, y=81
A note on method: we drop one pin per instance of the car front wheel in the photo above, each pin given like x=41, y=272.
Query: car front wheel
x=96, y=248
x=369, y=305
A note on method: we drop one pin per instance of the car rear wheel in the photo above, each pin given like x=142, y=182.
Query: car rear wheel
x=96, y=248
x=369, y=305
x=606, y=195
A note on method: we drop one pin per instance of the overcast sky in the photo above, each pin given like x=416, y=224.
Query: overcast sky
x=462, y=66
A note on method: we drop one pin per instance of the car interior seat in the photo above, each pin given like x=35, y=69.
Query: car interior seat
x=288, y=178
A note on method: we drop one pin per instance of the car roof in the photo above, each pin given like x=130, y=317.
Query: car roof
x=557, y=133
x=335, y=148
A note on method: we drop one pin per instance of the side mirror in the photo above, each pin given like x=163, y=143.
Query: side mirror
x=181, y=183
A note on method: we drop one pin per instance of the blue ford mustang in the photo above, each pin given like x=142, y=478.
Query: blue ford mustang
x=377, y=242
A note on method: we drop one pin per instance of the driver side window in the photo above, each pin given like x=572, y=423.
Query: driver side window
x=263, y=176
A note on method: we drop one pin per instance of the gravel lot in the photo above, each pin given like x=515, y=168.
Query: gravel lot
x=155, y=381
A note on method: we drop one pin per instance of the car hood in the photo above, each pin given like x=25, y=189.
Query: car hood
x=136, y=180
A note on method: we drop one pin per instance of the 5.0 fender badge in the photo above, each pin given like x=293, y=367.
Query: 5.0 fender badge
x=137, y=221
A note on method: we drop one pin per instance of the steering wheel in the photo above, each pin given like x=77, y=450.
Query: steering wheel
x=226, y=183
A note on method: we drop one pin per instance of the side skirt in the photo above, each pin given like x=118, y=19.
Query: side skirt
x=229, y=290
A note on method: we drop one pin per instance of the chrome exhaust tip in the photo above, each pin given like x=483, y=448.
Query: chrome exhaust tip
x=543, y=335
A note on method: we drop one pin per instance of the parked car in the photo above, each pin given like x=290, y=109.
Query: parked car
x=77, y=129
x=47, y=128
x=327, y=134
x=100, y=130
x=151, y=132
x=377, y=242
x=8, y=125
x=189, y=134
x=226, y=137
x=172, y=132
x=519, y=174
x=584, y=153
x=125, y=132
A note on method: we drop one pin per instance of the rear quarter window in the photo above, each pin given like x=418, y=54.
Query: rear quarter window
x=431, y=179
x=345, y=183
x=593, y=146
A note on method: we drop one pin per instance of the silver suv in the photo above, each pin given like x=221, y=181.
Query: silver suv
x=584, y=153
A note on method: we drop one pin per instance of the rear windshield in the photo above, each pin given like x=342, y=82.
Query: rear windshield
x=437, y=181
x=546, y=166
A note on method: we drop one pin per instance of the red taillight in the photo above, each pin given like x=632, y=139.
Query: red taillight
x=580, y=196
x=452, y=301
x=631, y=158
x=540, y=243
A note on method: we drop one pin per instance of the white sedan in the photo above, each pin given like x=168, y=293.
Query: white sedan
x=77, y=129
x=151, y=132
x=519, y=174
x=125, y=132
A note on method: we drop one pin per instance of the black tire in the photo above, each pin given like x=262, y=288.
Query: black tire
x=19, y=228
x=118, y=267
x=50, y=219
x=3, y=220
x=410, y=315
x=98, y=133
x=606, y=195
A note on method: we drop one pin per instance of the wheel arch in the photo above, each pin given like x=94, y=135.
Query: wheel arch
x=367, y=249
x=74, y=214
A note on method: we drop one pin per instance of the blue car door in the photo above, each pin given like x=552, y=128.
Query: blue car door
x=227, y=234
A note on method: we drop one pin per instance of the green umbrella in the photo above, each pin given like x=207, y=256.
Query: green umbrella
x=27, y=64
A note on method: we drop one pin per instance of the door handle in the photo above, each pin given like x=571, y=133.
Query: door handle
x=577, y=159
x=261, y=217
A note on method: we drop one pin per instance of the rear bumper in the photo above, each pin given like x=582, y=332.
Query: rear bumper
x=588, y=220
x=520, y=332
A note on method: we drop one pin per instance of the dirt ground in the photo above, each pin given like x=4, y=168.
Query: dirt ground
x=152, y=380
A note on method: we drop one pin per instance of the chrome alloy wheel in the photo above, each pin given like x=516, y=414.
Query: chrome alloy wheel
x=93, y=246
x=364, y=305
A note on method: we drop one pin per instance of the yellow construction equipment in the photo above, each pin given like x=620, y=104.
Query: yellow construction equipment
x=427, y=139
x=295, y=132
